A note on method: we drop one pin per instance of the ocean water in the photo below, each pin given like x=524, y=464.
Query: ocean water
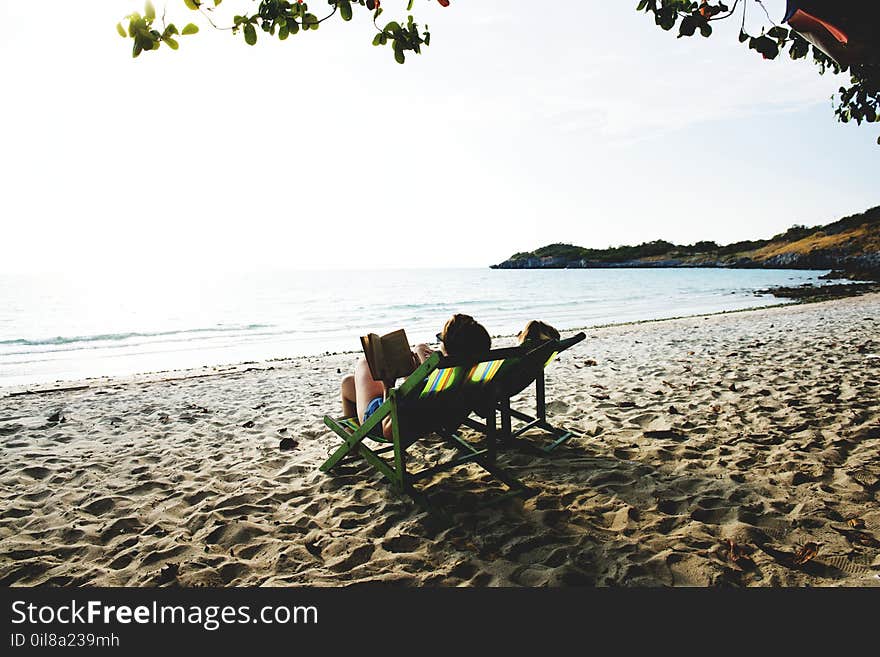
x=55, y=327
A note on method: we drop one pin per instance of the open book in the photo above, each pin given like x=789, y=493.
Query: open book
x=388, y=356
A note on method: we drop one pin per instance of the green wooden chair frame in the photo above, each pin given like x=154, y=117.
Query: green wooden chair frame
x=436, y=398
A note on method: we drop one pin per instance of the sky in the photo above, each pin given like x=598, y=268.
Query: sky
x=521, y=125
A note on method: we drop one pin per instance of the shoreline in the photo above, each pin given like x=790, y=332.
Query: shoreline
x=72, y=371
x=224, y=369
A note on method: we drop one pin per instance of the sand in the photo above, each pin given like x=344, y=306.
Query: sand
x=737, y=449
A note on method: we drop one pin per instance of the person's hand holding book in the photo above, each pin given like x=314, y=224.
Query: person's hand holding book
x=421, y=354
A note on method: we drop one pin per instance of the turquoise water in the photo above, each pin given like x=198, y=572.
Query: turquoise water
x=59, y=328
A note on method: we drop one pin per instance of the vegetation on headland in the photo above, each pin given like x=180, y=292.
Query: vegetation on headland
x=851, y=244
x=284, y=19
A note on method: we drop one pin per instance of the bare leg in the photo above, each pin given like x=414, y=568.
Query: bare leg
x=366, y=389
x=349, y=403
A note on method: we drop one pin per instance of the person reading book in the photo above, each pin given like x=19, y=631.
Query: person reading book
x=389, y=356
x=362, y=395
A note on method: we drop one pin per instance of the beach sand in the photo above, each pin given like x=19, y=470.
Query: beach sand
x=736, y=449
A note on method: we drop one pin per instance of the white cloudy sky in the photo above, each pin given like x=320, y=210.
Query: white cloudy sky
x=523, y=123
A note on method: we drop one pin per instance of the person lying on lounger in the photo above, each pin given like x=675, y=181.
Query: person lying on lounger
x=462, y=337
x=536, y=332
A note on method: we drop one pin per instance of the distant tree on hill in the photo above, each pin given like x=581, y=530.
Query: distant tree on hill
x=704, y=246
x=865, y=224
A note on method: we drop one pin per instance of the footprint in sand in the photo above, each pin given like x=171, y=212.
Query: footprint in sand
x=463, y=570
x=36, y=472
x=403, y=543
x=38, y=496
x=359, y=556
x=671, y=507
x=230, y=572
x=712, y=515
x=194, y=498
x=643, y=420
x=164, y=555
x=234, y=533
x=123, y=560
x=611, y=479
x=128, y=525
x=250, y=551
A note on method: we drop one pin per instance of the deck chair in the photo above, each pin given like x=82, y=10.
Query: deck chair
x=525, y=369
x=435, y=399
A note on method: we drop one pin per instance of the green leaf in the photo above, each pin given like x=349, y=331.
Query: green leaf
x=150, y=11
x=171, y=43
x=283, y=32
x=134, y=23
x=409, y=5
x=399, y=57
x=217, y=2
x=250, y=34
x=121, y=30
x=766, y=46
x=687, y=27
x=377, y=40
x=192, y=4
x=344, y=9
x=191, y=28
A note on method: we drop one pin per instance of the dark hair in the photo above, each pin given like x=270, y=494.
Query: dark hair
x=537, y=331
x=464, y=337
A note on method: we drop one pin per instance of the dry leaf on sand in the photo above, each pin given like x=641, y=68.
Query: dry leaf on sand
x=737, y=553
x=805, y=553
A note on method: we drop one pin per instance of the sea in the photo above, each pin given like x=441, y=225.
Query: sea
x=63, y=327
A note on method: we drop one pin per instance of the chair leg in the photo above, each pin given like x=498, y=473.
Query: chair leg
x=540, y=397
x=540, y=421
x=350, y=441
x=506, y=421
x=563, y=435
x=380, y=464
x=402, y=479
x=491, y=431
